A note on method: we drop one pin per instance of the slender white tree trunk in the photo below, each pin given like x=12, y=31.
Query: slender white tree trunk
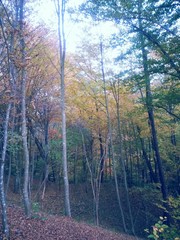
x=62, y=52
x=117, y=99
x=23, y=112
x=2, y=164
x=11, y=71
x=110, y=139
x=95, y=181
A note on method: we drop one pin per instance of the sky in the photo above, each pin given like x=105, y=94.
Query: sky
x=78, y=32
x=75, y=32
x=45, y=14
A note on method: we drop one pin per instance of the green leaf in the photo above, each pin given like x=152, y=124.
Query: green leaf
x=151, y=236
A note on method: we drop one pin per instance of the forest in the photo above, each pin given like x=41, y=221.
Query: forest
x=92, y=134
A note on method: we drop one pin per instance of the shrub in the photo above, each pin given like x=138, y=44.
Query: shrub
x=160, y=230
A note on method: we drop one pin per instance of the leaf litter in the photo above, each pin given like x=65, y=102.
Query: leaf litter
x=52, y=227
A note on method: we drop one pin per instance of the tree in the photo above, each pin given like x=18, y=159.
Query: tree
x=111, y=138
x=150, y=110
x=152, y=35
x=26, y=197
x=60, y=10
x=7, y=75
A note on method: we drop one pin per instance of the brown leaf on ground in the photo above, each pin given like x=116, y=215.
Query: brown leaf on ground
x=47, y=227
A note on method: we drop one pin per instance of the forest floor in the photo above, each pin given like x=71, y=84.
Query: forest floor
x=48, y=227
x=47, y=221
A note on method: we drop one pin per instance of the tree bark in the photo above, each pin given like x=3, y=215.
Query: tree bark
x=116, y=94
x=102, y=156
x=95, y=183
x=62, y=51
x=2, y=164
x=23, y=112
x=46, y=149
x=150, y=109
x=110, y=139
x=145, y=156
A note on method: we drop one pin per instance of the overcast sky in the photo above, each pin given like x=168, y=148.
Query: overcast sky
x=75, y=32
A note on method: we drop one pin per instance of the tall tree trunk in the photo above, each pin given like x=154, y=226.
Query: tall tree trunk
x=23, y=112
x=145, y=156
x=95, y=183
x=75, y=165
x=111, y=140
x=46, y=149
x=102, y=156
x=2, y=164
x=12, y=132
x=9, y=173
x=117, y=99
x=62, y=52
x=10, y=68
x=150, y=109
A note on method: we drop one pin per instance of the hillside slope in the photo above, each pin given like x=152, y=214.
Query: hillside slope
x=48, y=227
